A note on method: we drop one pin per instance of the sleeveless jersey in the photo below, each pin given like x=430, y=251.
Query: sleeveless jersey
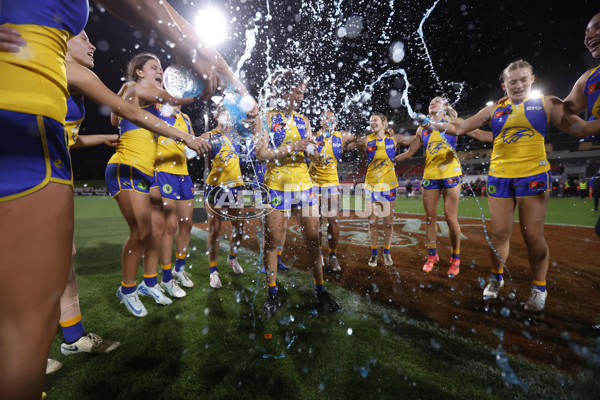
x=381, y=175
x=170, y=153
x=291, y=172
x=519, y=132
x=137, y=146
x=75, y=116
x=324, y=172
x=225, y=163
x=592, y=92
x=441, y=161
x=34, y=80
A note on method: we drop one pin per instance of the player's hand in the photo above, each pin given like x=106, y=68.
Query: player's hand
x=112, y=140
x=199, y=145
x=10, y=40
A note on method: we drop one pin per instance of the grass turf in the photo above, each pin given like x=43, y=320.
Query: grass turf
x=211, y=344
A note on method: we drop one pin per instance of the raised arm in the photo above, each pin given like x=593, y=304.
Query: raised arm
x=568, y=122
x=84, y=80
x=402, y=140
x=148, y=92
x=415, y=145
x=459, y=126
x=157, y=18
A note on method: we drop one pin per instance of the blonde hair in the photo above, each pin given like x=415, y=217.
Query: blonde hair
x=448, y=109
x=515, y=65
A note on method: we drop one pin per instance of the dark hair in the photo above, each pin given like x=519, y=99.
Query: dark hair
x=287, y=80
x=137, y=62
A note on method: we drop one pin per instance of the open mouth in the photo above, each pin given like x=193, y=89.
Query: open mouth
x=592, y=44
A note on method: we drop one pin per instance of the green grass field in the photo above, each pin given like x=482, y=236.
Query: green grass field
x=211, y=344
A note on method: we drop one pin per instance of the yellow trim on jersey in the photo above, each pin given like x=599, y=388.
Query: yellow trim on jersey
x=34, y=80
x=441, y=161
x=324, y=172
x=515, y=154
x=170, y=153
x=381, y=175
x=289, y=173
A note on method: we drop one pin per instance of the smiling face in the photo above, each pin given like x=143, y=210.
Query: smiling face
x=436, y=105
x=377, y=123
x=294, y=98
x=328, y=121
x=592, y=36
x=517, y=83
x=151, y=72
x=80, y=50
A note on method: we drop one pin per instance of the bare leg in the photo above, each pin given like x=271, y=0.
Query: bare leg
x=373, y=233
x=274, y=237
x=532, y=213
x=451, y=200
x=135, y=207
x=309, y=224
x=214, y=229
x=36, y=234
x=502, y=212
x=152, y=250
x=69, y=301
x=185, y=211
x=431, y=198
x=333, y=228
x=166, y=245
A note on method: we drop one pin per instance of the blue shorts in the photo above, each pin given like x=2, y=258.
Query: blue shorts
x=388, y=195
x=224, y=197
x=290, y=200
x=327, y=190
x=125, y=177
x=448, y=183
x=175, y=187
x=510, y=188
x=33, y=152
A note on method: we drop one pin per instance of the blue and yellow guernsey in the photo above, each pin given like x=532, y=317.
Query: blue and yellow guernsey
x=592, y=92
x=441, y=161
x=75, y=116
x=34, y=80
x=324, y=172
x=225, y=168
x=519, y=133
x=289, y=173
x=381, y=175
x=170, y=153
x=137, y=146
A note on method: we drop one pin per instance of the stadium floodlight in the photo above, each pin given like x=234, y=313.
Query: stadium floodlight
x=391, y=123
x=489, y=103
x=534, y=94
x=210, y=25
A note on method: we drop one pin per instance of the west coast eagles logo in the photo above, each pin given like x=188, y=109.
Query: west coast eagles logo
x=435, y=147
x=514, y=134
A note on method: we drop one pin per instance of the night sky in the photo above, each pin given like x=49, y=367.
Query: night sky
x=469, y=42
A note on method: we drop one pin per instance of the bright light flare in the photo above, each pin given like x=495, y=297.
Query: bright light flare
x=534, y=94
x=211, y=27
